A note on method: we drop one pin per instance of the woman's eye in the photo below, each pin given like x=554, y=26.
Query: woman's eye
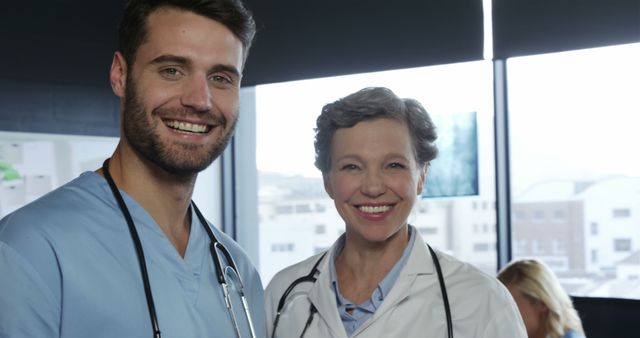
x=396, y=165
x=349, y=167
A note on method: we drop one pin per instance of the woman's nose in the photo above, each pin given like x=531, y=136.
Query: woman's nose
x=373, y=184
x=197, y=94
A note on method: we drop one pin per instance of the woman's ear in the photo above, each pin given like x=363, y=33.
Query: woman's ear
x=423, y=178
x=327, y=184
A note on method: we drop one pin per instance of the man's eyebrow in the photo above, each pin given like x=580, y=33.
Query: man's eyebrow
x=170, y=58
x=225, y=68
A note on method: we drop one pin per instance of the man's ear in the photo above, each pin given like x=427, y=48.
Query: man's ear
x=118, y=74
x=327, y=185
x=423, y=178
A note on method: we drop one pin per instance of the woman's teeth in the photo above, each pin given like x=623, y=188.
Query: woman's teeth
x=374, y=209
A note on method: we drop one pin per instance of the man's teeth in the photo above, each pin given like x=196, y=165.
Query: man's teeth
x=186, y=126
x=374, y=209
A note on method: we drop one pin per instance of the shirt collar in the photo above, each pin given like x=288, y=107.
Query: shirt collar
x=385, y=285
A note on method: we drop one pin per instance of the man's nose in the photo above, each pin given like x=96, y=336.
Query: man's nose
x=197, y=94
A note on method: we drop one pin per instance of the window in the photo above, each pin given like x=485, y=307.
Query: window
x=285, y=159
x=32, y=164
x=520, y=247
x=536, y=247
x=303, y=208
x=538, y=216
x=556, y=103
x=320, y=208
x=284, y=209
x=558, y=216
x=622, y=244
x=321, y=229
x=559, y=246
x=480, y=247
x=282, y=247
x=318, y=250
x=558, y=191
x=520, y=216
x=423, y=208
x=428, y=231
x=621, y=213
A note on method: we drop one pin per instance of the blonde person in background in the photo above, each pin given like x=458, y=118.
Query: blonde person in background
x=545, y=307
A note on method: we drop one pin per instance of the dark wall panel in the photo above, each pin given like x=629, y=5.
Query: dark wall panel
x=69, y=44
x=608, y=317
x=58, y=109
x=56, y=57
x=309, y=39
x=59, y=41
x=525, y=27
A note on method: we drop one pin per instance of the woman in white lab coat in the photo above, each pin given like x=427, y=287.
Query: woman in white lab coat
x=379, y=279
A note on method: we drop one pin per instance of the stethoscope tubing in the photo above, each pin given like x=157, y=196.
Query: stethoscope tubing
x=443, y=289
x=310, y=277
x=215, y=247
x=138, y=246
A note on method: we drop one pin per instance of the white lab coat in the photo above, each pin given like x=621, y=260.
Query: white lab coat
x=480, y=305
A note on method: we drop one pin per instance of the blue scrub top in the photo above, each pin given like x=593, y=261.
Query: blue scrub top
x=68, y=268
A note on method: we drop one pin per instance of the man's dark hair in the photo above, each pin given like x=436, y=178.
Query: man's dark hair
x=230, y=13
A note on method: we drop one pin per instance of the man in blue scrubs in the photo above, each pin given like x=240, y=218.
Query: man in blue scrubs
x=68, y=264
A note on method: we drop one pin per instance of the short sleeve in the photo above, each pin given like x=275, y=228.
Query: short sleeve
x=27, y=306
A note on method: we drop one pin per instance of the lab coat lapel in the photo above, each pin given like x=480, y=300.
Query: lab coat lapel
x=419, y=264
x=324, y=299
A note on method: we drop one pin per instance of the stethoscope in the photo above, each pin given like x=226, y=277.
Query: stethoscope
x=310, y=277
x=215, y=246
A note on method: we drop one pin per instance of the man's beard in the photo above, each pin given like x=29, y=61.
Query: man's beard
x=184, y=160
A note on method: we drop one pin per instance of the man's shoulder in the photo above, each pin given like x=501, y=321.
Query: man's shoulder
x=61, y=207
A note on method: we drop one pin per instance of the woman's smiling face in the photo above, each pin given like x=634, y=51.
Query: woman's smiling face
x=374, y=179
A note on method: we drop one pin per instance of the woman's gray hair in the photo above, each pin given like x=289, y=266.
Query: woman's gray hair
x=374, y=103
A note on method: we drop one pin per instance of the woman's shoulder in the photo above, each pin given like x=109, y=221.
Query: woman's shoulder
x=287, y=275
x=298, y=269
x=465, y=279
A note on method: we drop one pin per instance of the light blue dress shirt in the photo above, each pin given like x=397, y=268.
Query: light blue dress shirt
x=361, y=312
x=68, y=268
x=573, y=334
